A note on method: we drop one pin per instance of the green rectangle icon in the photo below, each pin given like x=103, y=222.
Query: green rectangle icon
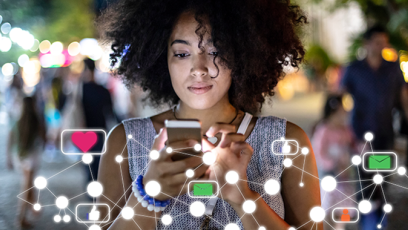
x=202, y=189
x=379, y=162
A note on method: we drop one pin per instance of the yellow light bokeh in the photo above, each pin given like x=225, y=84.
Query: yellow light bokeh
x=45, y=46
x=348, y=102
x=74, y=48
x=389, y=54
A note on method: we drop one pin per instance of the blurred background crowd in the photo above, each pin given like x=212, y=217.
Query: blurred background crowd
x=54, y=74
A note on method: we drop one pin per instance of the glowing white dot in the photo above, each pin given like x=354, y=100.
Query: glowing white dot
x=368, y=136
x=130, y=136
x=287, y=162
x=387, y=208
x=292, y=228
x=232, y=177
x=379, y=226
x=152, y=188
x=378, y=179
x=364, y=206
x=249, y=206
x=169, y=150
x=356, y=160
x=209, y=158
x=87, y=158
x=37, y=207
x=166, y=219
x=40, y=182
x=94, y=227
x=282, y=138
x=231, y=226
x=402, y=171
x=127, y=213
x=305, y=151
x=57, y=218
x=317, y=214
x=62, y=202
x=119, y=158
x=197, y=147
x=197, y=208
x=66, y=218
x=272, y=187
x=301, y=184
x=329, y=183
x=154, y=154
x=94, y=189
x=262, y=228
x=189, y=173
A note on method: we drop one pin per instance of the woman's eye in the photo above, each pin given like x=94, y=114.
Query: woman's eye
x=181, y=55
x=214, y=53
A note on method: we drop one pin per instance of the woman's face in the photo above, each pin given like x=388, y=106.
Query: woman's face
x=192, y=70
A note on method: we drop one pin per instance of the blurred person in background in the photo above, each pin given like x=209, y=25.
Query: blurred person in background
x=332, y=143
x=27, y=139
x=97, y=108
x=377, y=87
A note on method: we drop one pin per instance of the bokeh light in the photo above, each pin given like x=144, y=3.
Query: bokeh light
x=7, y=69
x=45, y=46
x=5, y=28
x=74, y=48
x=56, y=48
x=389, y=54
x=5, y=44
x=23, y=59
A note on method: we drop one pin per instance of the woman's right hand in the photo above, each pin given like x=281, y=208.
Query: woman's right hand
x=171, y=174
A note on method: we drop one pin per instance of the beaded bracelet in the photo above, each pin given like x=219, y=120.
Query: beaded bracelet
x=146, y=200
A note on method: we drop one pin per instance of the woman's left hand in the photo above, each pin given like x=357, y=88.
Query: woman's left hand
x=232, y=154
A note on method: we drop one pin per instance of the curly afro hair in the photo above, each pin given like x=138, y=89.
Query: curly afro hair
x=254, y=38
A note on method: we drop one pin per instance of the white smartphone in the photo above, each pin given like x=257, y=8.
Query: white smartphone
x=181, y=130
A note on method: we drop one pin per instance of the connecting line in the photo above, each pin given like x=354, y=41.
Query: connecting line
x=38, y=199
x=64, y=170
x=255, y=219
x=240, y=218
x=343, y=170
x=51, y=192
x=359, y=178
x=75, y=216
x=383, y=192
x=390, y=175
x=382, y=218
x=126, y=145
x=25, y=200
x=252, y=182
x=106, y=224
x=138, y=143
x=306, y=172
x=135, y=157
x=155, y=217
x=91, y=172
x=312, y=225
x=24, y=192
x=396, y=185
x=240, y=192
x=350, y=181
x=304, y=224
x=222, y=197
x=175, y=198
x=188, y=154
x=178, y=195
x=372, y=192
x=304, y=162
x=136, y=224
x=183, y=148
x=123, y=183
x=347, y=197
x=77, y=196
x=362, y=150
x=328, y=224
x=217, y=221
x=115, y=204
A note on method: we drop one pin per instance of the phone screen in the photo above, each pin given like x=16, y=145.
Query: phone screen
x=181, y=130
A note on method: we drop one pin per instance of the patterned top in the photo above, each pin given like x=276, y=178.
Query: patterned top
x=263, y=166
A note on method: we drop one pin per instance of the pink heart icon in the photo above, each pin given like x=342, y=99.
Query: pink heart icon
x=84, y=141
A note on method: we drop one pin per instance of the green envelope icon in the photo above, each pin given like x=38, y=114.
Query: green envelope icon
x=202, y=189
x=379, y=162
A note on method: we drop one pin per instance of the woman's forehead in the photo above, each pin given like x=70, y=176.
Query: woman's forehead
x=185, y=29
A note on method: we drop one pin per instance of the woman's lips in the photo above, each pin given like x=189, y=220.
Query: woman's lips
x=200, y=90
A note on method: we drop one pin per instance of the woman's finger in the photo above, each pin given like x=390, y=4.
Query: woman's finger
x=227, y=139
x=207, y=145
x=160, y=140
x=178, y=147
x=244, y=150
x=220, y=128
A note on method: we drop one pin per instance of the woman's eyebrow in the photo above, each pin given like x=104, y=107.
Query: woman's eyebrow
x=180, y=42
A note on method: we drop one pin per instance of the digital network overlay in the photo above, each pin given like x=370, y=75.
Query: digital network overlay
x=383, y=164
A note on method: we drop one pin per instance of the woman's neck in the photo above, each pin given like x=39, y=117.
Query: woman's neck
x=223, y=112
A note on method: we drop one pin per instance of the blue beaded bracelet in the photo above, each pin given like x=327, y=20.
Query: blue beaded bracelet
x=146, y=200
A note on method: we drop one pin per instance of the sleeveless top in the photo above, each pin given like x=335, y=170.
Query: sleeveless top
x=264, y=165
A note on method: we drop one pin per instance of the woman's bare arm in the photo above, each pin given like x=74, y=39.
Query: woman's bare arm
x=114, y=177
x=300, y=200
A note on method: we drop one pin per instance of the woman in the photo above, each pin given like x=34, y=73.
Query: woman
x=27, y=138
x=215, y=61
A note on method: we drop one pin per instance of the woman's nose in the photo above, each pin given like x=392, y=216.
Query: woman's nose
x=199, y=68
